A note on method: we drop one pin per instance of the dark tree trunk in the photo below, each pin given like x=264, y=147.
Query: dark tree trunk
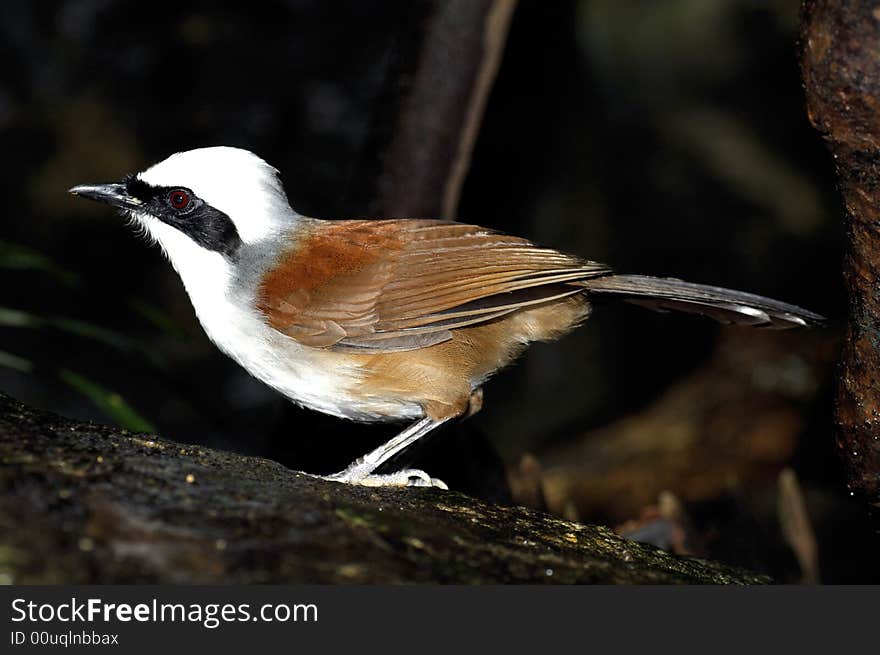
x=428, y=116
x=840, y=64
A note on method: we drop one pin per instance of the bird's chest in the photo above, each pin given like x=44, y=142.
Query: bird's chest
x=308, y=376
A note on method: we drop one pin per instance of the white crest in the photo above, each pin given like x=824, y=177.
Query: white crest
x=235, y=181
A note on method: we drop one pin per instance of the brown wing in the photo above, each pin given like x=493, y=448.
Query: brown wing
x=404, y=284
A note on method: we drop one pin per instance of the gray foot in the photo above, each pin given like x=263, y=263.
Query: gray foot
x=404, y=478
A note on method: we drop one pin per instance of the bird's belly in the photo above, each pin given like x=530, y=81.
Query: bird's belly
x=319, y=379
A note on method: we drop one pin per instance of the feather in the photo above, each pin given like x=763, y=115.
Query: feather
x=723, y=305
x=405, y=284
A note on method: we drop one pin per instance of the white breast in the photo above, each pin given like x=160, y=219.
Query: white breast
x=318, y=379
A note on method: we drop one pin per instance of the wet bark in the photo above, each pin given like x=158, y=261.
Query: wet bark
x=85, y=503
x=840, y=64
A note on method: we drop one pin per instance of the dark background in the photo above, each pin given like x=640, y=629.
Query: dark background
x=663, y=138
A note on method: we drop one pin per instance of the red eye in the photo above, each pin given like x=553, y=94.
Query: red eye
x=179, y=199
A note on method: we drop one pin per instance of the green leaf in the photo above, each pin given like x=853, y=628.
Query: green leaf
x=111, y=403
x=90, y=331
x=159, y=318
x=15, y=362
x=15, y=256
x=17, y=318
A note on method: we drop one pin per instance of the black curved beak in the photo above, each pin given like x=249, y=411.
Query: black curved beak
x=115, y=195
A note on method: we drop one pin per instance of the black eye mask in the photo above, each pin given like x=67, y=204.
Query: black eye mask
x=183, y=210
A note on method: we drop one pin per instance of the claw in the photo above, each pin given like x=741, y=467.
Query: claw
x=404, y=478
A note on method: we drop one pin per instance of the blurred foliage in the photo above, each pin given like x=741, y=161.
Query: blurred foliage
x=739, y=159
x=23, y=259
x=16, y=257
x=14, y=362
x=85, y=125
x=110, y=403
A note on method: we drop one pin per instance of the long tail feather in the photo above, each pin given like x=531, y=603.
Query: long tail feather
x=724, y=305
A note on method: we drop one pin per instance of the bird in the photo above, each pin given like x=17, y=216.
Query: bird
x=394, y=320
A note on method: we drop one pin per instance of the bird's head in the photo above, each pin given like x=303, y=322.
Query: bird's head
x=209, y=200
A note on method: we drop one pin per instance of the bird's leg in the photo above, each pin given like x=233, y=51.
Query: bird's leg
x=361, y=470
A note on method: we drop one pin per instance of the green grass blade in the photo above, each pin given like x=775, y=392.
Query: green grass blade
x=111, y=403
x=15, y=362
x=16, y=257
x=17, y=318
x=94, y=332
x=160, y=319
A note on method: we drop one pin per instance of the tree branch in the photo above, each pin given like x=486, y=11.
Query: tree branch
x=91, y=504
x=428, y=117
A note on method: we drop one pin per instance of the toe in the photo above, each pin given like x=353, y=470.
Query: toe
x=405, y=478
x=417, y=478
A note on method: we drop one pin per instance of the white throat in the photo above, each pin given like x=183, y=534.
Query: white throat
x=206, y=274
